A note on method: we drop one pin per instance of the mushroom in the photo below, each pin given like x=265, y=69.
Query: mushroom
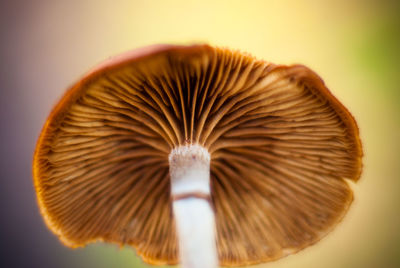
x=175, y=136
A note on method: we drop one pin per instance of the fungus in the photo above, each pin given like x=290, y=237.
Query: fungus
x=248, y=159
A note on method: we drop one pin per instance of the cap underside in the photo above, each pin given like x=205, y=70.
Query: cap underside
x=281, y=148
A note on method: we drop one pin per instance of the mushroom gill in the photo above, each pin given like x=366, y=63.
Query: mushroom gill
x=281, y=150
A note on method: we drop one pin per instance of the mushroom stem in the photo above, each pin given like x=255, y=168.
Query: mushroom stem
x=194, y=216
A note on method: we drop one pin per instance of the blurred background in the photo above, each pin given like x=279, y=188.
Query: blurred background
x=354, y=45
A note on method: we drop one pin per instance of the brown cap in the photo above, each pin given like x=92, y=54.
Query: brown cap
x=281, y=150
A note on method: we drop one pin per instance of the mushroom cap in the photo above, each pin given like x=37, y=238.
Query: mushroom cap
x=281, y=145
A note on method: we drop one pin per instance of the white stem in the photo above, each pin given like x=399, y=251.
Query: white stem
x=194, y=217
